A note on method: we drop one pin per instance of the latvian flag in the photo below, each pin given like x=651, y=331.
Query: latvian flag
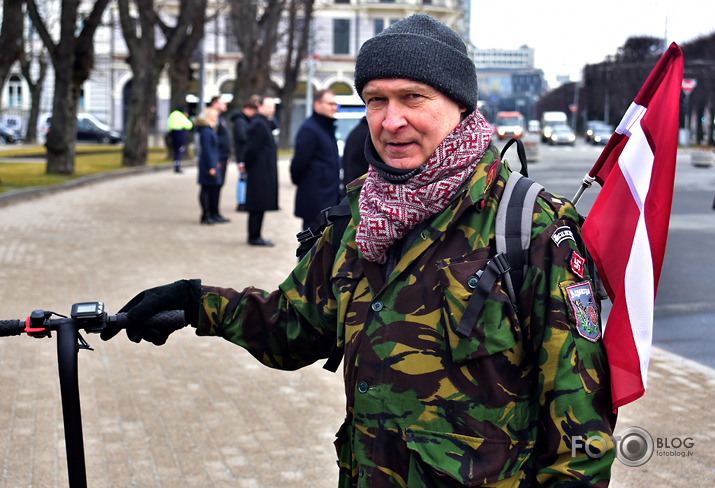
x=627, y=227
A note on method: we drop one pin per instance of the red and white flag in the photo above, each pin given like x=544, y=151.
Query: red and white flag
x=627, y=227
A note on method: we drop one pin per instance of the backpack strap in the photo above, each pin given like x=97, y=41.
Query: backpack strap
x=513, y=228
x=520, y=151
x=513, y=237
x=337, y=215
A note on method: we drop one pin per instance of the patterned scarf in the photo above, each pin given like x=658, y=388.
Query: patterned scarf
x=389, y=210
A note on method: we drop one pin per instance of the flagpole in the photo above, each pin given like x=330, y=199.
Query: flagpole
x=586, y=183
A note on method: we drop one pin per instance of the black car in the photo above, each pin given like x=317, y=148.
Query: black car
x=8, y=136
x=94, y=131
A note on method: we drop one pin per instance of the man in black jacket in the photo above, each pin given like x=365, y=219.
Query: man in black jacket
x=315, y=167
x=224, y=151
x=261, y=170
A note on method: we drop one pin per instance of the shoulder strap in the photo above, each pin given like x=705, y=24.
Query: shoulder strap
x=513, y=227
x=337, y=215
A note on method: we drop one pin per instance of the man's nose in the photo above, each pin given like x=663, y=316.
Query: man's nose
x=394, y=117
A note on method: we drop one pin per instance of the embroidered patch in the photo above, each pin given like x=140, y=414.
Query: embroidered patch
x=584, y=310
x=562, y=234
x=576, y=263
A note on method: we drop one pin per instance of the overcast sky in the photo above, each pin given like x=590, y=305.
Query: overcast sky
x=567, y=34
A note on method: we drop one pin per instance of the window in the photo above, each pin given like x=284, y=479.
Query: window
x=341, y=36
x=14, y=90
x=379, y=26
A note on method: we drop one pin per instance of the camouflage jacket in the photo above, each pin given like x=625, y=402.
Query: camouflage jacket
x=426, y=407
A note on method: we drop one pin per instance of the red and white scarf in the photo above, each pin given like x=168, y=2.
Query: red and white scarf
x=389, y=210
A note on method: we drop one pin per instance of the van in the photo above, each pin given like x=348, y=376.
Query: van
x=510, y=124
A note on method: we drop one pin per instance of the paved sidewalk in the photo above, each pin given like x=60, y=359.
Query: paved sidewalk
x=200, y=412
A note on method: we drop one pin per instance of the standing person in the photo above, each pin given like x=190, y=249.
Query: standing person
x=224, y=152
x=177, y=125
x=261, y=170
x=512, y=400
x=241, y=120
x=315, y=167
x=354, y=163
x=209, y=174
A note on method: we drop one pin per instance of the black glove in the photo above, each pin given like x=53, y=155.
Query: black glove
x=181, y=295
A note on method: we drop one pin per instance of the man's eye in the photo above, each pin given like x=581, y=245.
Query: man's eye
x=374, y=100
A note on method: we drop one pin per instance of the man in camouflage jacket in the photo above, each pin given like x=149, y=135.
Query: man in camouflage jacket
x=426, y=405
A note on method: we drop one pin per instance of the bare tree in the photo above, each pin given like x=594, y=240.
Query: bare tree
x=27, y=59
x=300, y=13
x=179, y=66
x=10, y=37
x=256, y=27
x=147, y=62
x=263, y=30
x=72, y=58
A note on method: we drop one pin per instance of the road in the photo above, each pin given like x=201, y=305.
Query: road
x=201, y=412
x=684, y=307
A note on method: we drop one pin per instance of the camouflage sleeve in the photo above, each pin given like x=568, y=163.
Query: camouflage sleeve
x=285, y=329
x=574, y=445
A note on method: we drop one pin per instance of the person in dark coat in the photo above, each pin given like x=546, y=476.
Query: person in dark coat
x=224, y=152
x=315, y=167
x=354, y=163
x=261, y=170
x=241, y=120
x=209, y=175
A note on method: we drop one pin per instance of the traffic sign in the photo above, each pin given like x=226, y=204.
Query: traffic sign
x=689, y=84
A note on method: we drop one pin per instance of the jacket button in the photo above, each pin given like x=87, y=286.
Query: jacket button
x=363, y=387
x=472, y=281
x=377, y=306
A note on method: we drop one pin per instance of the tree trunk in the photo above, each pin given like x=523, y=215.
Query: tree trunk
x=63, y=127
x=143, y=95
x=10, y=37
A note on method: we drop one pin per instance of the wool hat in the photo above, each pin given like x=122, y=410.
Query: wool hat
x=422, y=49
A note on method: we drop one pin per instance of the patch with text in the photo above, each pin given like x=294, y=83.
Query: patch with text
x=562, y=234
x=583, y=306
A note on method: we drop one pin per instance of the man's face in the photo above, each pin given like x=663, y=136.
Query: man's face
x=267, y=108
x=219, y=105
x=408, y=120
x=326, y=106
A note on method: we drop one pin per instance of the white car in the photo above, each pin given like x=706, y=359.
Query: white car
x=562, y=134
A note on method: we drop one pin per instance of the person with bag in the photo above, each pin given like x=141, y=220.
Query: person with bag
x=439, y=392
x=241, y=120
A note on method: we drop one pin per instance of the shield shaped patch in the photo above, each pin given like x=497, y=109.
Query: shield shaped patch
x=583, y=306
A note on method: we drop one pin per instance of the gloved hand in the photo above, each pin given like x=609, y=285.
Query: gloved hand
x=181, y=295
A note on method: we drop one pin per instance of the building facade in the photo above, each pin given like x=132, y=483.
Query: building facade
x=507, y=79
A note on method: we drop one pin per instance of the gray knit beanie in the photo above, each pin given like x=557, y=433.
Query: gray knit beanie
x=422, y=49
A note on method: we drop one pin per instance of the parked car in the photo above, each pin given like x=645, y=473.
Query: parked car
x=91, y=129
x=8, y=136
x=601, y=135
x=562, y=134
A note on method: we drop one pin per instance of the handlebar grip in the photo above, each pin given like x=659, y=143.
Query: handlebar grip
x=171, y=319
x=11, y=327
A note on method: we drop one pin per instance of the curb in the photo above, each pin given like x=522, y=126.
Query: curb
x=15, y=196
